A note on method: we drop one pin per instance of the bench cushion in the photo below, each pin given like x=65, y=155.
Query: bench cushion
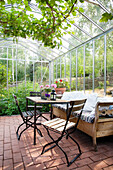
x=88, y=113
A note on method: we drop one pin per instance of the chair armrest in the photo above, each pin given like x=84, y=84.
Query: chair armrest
x=102, y=104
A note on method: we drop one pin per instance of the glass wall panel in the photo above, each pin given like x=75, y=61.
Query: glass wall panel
x=84, y=23
x=62, y=66
x=10, y=73
x=45, y=72
x=58, y=68
x=55, y=70
x=3, y=73
x=109, y=66
x=80, y=65
x=20, y=71
x=99, y=65
x=3, y=52
x=37, y=72
x=95, y=12
x=21, y=53
x=88, y=67
x=29, y=70
x=73, y=70
x=68, y=68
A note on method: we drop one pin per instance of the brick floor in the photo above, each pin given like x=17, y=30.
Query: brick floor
x=23, y=155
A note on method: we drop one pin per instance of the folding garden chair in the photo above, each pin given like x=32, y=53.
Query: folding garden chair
x=65, y=128
x=26, y=117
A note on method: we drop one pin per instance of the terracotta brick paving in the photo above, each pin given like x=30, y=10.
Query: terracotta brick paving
x=23, y=155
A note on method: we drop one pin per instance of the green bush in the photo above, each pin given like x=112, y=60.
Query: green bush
x=7, y=103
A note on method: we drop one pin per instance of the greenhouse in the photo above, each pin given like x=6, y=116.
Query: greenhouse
x=46, y=42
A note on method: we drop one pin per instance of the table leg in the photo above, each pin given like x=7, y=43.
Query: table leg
x=51, y=114
x=35, y=125
x=26, y=110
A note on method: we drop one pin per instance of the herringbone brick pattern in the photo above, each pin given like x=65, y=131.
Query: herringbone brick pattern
x=23, y=155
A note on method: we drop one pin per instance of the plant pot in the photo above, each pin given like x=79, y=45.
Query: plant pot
x=43, y=95
x=60, y=90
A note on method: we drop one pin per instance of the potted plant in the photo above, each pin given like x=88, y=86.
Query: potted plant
x=61, y=85
x=45, y=90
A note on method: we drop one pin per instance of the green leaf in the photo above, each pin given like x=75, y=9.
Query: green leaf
x=81, y=1
x=72, y=22
x=74, y=13
x=106, y=16
x=81, y=9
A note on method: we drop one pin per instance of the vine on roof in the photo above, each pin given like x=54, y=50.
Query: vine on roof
x=18, y=20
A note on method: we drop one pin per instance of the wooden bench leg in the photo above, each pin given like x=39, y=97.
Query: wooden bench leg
x=94, y=143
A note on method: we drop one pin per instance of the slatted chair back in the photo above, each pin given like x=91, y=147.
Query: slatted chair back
x=34, y=93
x=15, y=97
x=77, y=106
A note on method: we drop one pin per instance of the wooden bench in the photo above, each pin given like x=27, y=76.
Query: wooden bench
x=101, y=126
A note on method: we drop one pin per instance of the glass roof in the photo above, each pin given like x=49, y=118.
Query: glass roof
x=86, y=25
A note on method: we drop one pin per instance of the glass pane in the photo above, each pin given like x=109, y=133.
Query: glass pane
x=109, y=69
x=58, y=68
x=95, y=12
x=3, y=52
x=45, y=73
x=37, y=72
x=20, y=71
x=29, y=71
x=84, y=23
x=68, y=68
x=55, y=74
x=99, y=65
x=73, y=70
x=62, y=67
x=80, y=61
x=88, y=66
x=3, y=74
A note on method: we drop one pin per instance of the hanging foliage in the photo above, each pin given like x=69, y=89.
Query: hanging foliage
x=44, y=24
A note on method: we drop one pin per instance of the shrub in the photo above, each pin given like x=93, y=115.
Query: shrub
x=7, y=103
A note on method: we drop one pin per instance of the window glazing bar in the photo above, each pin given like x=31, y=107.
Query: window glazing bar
x=33, y=76
x=53, y=71
x=84, y=70
x=16, y=67
x=41, y=71
x=104, y=64
x=7, y=68
x=93, y=66
x=50, y=73
x=25, y=65
x=56, y=69
x=76, y=69
x=70, y=69
x=13, y=64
